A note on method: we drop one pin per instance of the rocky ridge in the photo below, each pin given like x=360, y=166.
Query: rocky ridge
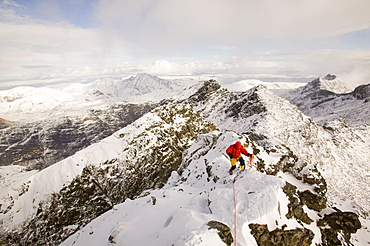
x=198, y=197
x=286, y=142
x=141, y=156
x=275, y=123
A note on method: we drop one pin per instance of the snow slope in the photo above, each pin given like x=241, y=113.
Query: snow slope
x=20, y=102
x=202, y=191
x=279, y=88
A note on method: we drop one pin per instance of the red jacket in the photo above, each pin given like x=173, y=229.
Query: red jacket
x=236, y=149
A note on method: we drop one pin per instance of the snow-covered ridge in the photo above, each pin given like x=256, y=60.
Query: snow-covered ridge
x=279, y=88
x=144, y=145
x=275, y=123
x=141, y=155
x=200, y=195
x=142, y=87
x=21, y=102
x=178, y=213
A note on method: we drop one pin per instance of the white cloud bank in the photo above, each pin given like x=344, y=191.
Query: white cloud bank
x=234, y=21
x=227, y=39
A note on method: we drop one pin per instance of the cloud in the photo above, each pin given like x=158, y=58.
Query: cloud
x=175, y=23
x=31, y=47
x=36, y=44
x=233, y=39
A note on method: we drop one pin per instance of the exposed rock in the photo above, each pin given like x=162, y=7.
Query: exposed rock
x=153, y=200
x=205, y=91
x=312, y=201
x=300, y=169
x=338, y=225
x=223, y=231
x=295, y=206
x=330, y=77
x=278, y=237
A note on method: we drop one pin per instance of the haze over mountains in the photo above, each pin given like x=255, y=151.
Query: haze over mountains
x=97, y=161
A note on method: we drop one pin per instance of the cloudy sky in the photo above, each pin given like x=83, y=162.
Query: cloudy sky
x=49, y=41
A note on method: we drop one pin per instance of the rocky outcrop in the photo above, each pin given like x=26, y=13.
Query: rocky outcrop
x=223, y=231
x=336, y=228
x=278, y=237
x=295, y=206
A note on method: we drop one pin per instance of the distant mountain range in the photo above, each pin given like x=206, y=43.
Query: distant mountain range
x=41, y=126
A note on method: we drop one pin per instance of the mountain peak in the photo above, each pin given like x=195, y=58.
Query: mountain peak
x=145, y=75
x=144, y=83
x=205, y=91
x=328, y=85
x=331, y=83
x=330, y=77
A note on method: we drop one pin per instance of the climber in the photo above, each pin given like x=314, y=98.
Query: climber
x=234, y=151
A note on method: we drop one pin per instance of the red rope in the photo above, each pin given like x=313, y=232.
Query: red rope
x=234, y=196
x=234, y=212
x=251, y=161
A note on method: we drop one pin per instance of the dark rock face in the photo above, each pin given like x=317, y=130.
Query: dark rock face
x=338, y=225
x=290, y=163
x=312, y=201
x=40, y=144
x=362, y=92
x=313, y=91
x=330, y=77
x=247, y=104
x=295, y=205
x=204, y=92
x=223, y=231
x=279, y=237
